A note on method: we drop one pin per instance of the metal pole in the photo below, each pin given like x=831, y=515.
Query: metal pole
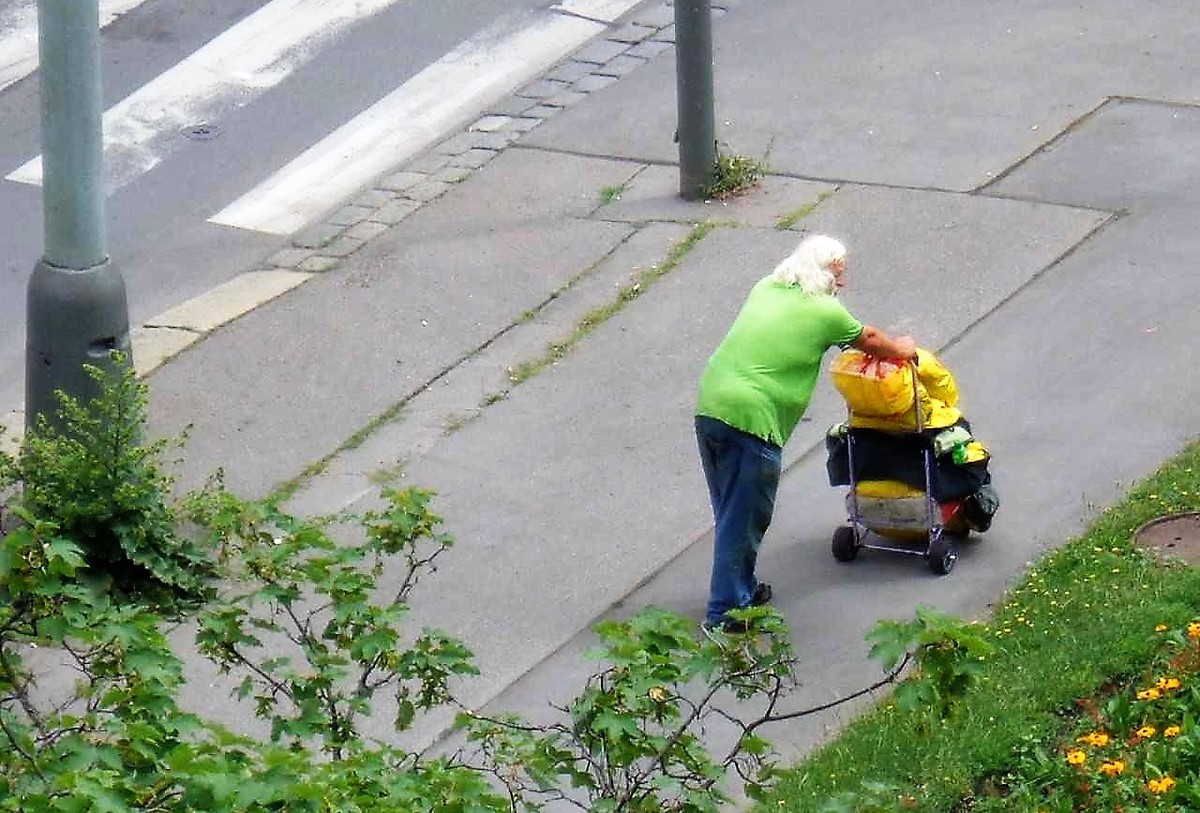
x=694, y=93
x=76, y=310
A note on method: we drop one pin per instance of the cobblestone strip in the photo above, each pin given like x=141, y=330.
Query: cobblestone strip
x=321, y=247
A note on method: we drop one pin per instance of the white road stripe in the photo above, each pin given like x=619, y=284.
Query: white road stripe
x=19, y=36
x=227, y=73
x=607, y=10
x=443, y=96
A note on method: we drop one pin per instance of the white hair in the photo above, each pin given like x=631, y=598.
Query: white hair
x=808, y=266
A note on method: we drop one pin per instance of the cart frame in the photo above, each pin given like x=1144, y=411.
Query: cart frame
x=940, y=552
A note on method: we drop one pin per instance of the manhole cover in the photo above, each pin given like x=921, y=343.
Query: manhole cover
x=201, y=132
x=1175, y=537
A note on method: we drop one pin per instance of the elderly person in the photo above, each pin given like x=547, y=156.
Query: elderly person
x=754, y=391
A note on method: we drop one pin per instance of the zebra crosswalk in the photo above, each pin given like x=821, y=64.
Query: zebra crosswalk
x=316, y=106
x=263, y=49
x=19, y=38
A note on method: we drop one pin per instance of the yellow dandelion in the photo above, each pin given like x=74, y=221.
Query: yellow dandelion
x=1160, y=786
x=1149, y=694
x=1161, y=628
x=1171, y=731
x=1113, y=767
x=1146, y=732
x=1076, y=757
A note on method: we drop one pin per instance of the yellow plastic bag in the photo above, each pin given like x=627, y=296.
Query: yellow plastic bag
x=873, y=387
x=879, y=391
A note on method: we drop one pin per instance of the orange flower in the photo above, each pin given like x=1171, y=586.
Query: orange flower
x=1160, y=786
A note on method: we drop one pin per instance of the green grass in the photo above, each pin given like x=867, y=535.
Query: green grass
x=1080, y=622
x=792, y=218
x=611, y=194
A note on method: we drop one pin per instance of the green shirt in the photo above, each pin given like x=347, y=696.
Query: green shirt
x=763, y=373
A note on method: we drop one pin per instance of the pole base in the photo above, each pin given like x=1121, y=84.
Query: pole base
x=73, y=317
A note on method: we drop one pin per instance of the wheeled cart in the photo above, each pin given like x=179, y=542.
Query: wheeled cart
x=891, y=516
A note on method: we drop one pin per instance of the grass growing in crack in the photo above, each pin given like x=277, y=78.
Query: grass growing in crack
x=287, y=489
x=599, y=315
x=792, y=218
x=733, y=174
x=387, y=474
x=524, y=371
x=611, y=194
x=457, y=421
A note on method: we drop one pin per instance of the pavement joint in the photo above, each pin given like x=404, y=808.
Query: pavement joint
x=984, y=318
x=289, y=257
x=349, y=215
x=567, y=99
x=1071, y=127
x=545, y=334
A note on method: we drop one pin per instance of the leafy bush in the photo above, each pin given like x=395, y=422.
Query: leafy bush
x=88, y=478
x=90, y=717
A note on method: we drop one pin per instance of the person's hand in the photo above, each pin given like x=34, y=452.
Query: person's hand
x=906, y=348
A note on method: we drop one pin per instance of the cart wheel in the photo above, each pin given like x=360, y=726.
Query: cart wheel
x=845, y=544
x=942, y=554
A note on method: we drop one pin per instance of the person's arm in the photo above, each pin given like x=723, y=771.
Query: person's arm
x=875, y=342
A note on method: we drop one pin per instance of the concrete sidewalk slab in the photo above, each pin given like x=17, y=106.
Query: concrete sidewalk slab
x=464, y=393
x=1042, y=407
x=286, y=382
x=1127, y=154
x=946, y=98
x=600, y=484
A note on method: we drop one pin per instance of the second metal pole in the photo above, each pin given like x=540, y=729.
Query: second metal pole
x=694, y=92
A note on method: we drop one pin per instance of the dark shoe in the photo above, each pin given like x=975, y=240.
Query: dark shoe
x=762, y=595
x=730, y=626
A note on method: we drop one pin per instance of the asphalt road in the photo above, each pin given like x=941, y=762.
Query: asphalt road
x=157, y=222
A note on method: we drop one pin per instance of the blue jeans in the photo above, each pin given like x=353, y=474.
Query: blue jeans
x=743, y=476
